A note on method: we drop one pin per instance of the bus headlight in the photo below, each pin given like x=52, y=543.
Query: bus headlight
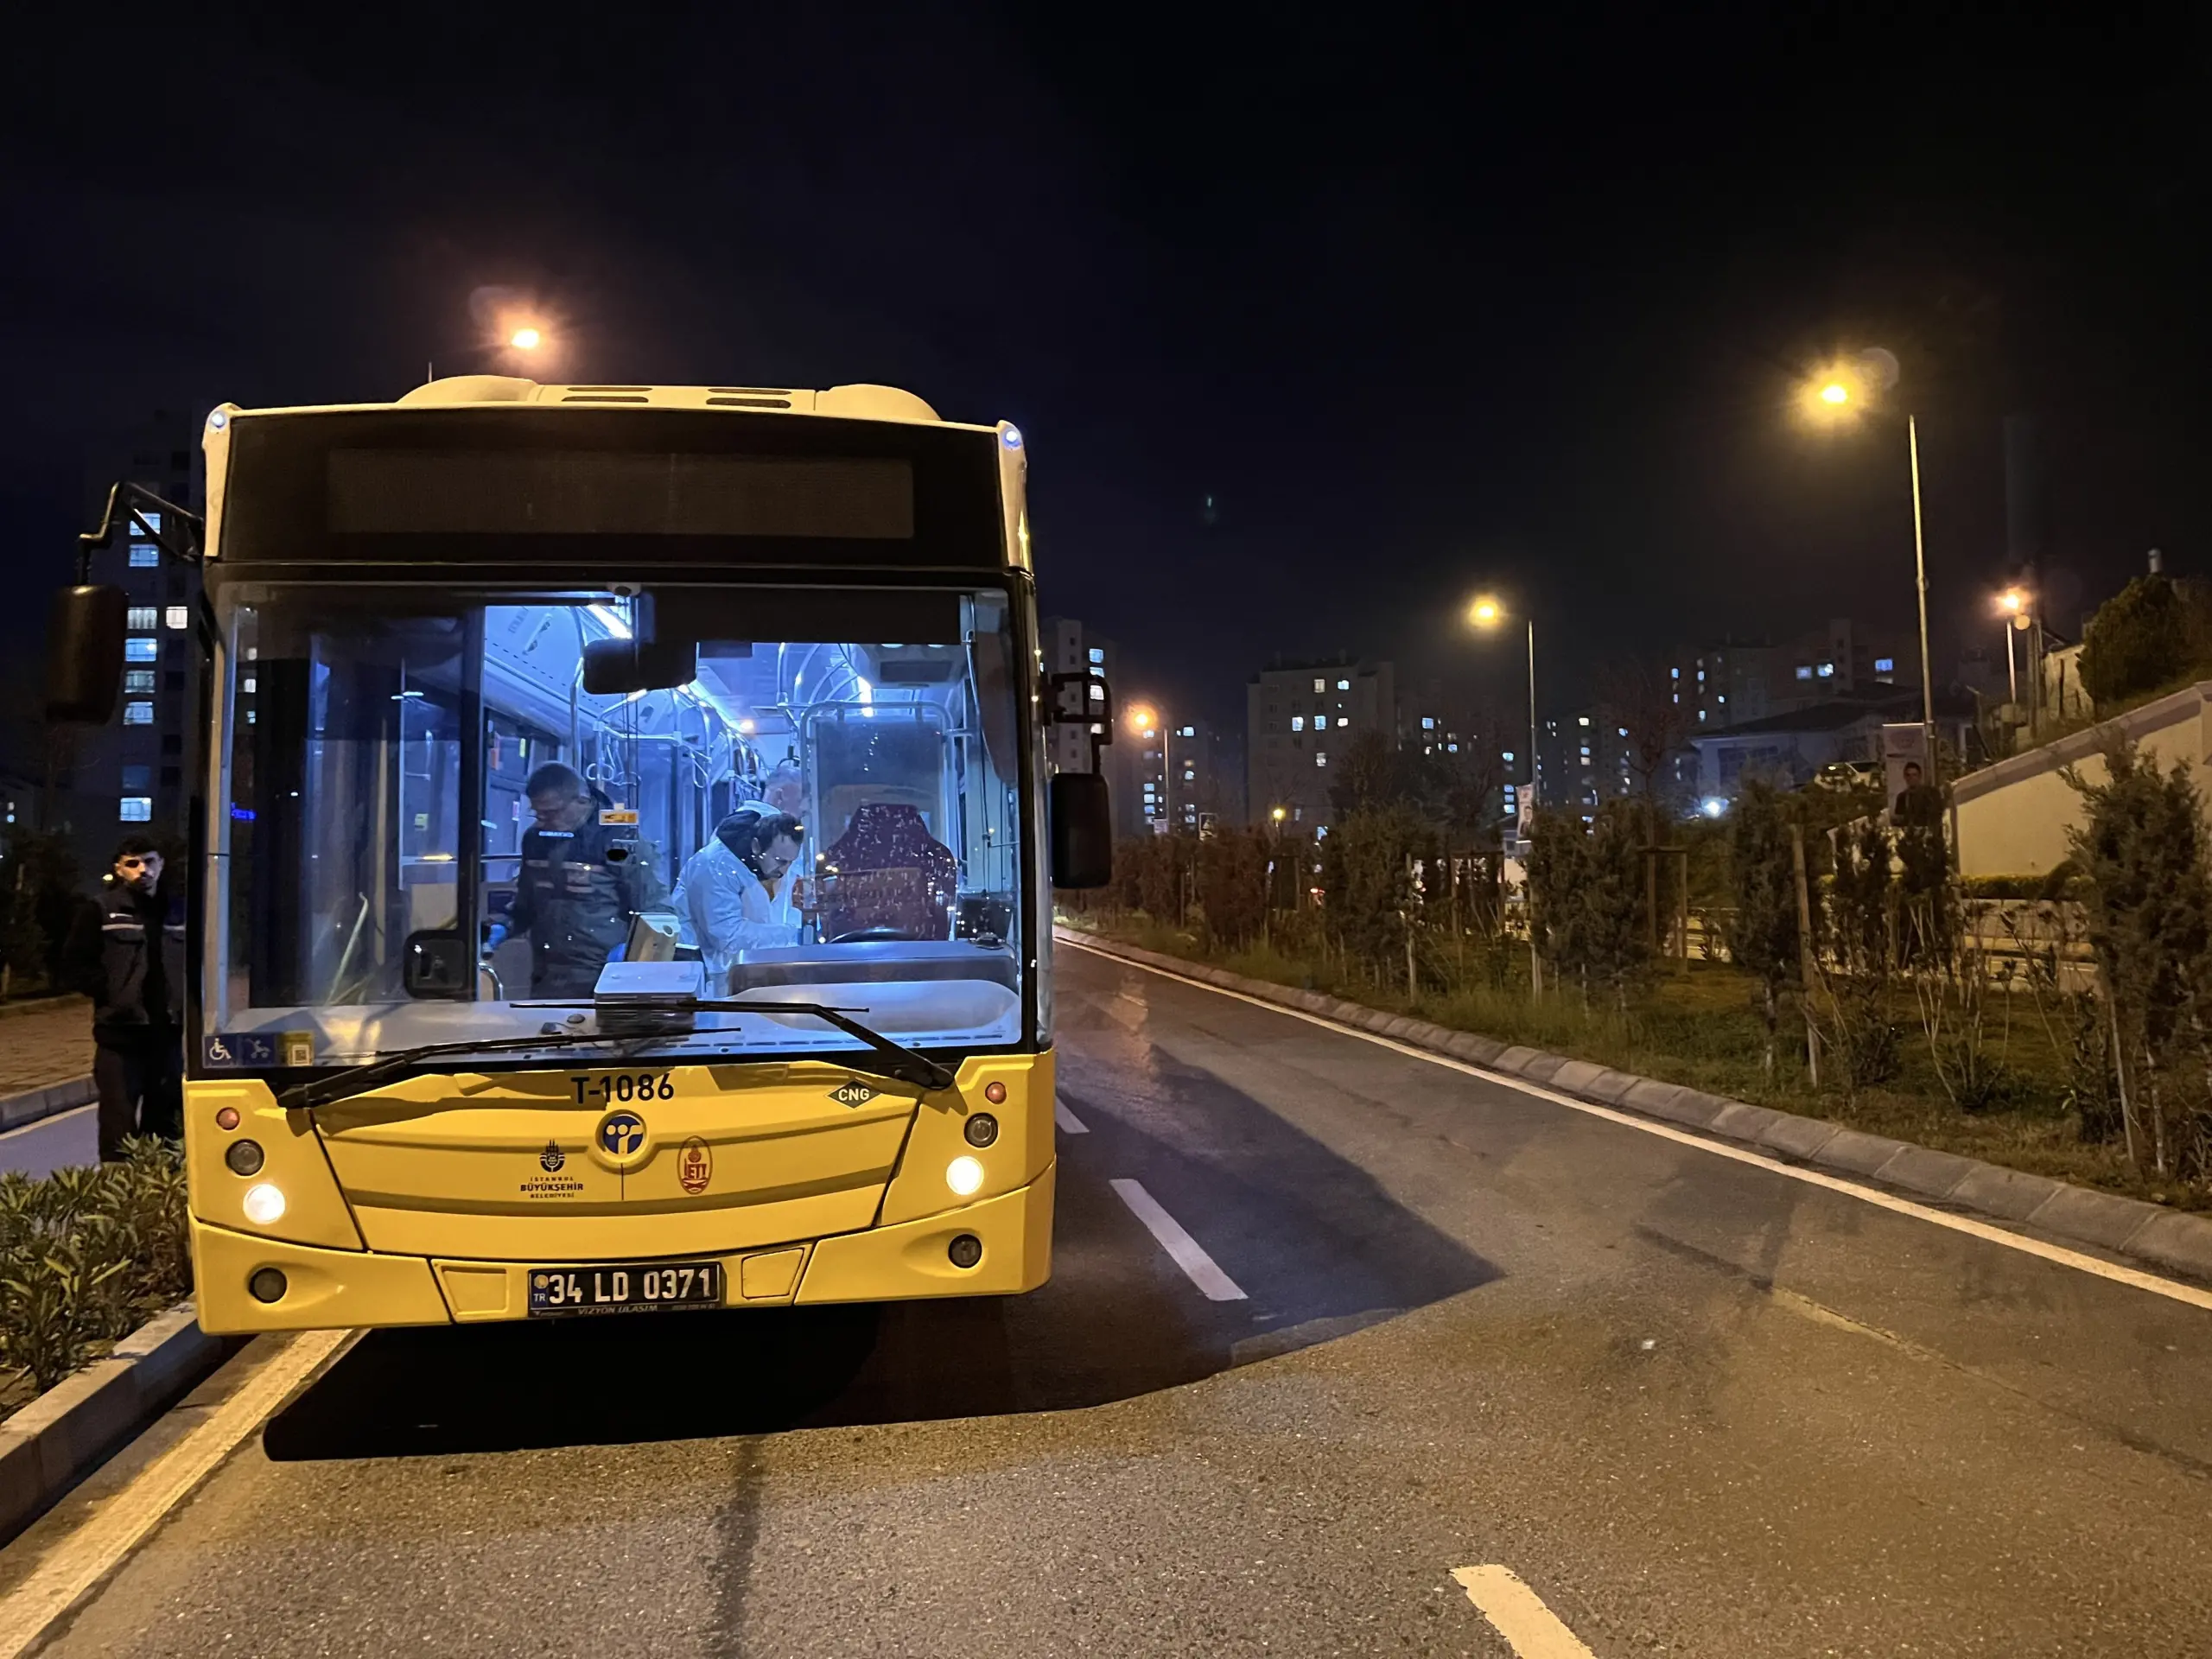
x=963, y=1175
x=264, y=1200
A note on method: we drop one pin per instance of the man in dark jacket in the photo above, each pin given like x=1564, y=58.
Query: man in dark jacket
x=127, y=954
x=582, y=883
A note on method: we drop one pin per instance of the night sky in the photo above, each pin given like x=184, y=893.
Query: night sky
x=1422, y=306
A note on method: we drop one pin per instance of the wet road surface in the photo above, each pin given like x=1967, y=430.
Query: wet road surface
x=1328, y=1321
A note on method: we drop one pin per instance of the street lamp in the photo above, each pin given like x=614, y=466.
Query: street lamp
x=1841, y=391
x=1487, y=613
x=2017, y=606
x=526, y=339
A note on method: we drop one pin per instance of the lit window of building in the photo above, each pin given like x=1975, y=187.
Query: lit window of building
x=1320, y=759
x=138, y=679
x=1427, y=723
x=1827, y=670
x=177, y=616
x=1451, y=748
x=138, y=713
x=1582, y=720
x=144, y=555
x=1344, y=685
x=1098, y=656
x=1804, y=672
x=140, y=651
x=1298, y=722
x=140, y=616
x=1885, y=665
x=1320, y=722
x=1320, y=685
x=137, y=809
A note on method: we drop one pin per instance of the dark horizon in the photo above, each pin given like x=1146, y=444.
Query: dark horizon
x=1418, y=313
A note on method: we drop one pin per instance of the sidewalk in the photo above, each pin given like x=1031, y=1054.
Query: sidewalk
x=44, y=1042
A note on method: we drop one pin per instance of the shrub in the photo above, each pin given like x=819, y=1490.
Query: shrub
x=87, y=1255
x=2138, y=641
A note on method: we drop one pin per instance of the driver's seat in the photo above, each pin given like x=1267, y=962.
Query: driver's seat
x=888, y=876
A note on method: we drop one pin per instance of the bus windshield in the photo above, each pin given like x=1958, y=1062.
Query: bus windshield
x=436, y=833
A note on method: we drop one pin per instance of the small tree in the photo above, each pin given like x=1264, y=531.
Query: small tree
x=1367, y=775
x=1558, y=859
x=1762, y=934
x=1615, y=931
x=1641, y=697
x=1232, y=885
x=2142, y=851
x=2138, y=641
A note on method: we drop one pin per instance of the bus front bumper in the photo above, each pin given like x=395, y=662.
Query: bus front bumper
x=326, y=1289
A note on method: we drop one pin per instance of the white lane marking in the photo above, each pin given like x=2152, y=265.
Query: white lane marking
x=1069, y=1123
x=1190, y=1255
x=95, y=1549
x=1518, y=1614
x=2172, y=1289
x=50, y=1121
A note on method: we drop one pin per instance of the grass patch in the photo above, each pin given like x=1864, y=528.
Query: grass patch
x=1703, y=1030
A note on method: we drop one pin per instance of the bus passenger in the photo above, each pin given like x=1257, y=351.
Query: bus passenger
x=724, y=894
x=582, y=883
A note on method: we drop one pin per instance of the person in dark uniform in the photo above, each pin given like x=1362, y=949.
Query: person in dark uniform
x=127, y=954
x=582, y=883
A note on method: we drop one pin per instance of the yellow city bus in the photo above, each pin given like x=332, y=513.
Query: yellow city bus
x=495, y=1015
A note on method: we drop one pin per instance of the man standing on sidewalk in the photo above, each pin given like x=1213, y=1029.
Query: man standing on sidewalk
x=127, y=954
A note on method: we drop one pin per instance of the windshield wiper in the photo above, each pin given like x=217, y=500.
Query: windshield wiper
x=670, y=1016
x=895, y=1060
x=888, y=1059
x=359, y=1079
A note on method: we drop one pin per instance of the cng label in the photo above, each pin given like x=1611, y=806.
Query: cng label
x=853, y=1093
x=695, y=1165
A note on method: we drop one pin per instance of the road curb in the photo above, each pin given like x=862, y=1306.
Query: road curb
x=82, y=1420
x=32, y=1104
x=2172, y=1241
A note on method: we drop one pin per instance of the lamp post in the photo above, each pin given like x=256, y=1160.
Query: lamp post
x=1487, y=613
x=1840, y=393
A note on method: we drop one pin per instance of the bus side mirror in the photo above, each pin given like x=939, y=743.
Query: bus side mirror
x=614, y=668
x=1083, y=831
x=83, y=654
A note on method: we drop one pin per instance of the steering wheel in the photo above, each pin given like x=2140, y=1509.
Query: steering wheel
x=869, y=936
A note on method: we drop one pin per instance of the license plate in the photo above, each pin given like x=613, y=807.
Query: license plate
x=555, y=1291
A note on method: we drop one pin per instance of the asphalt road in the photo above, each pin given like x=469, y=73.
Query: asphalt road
x=1699, y=1406
x=41, y=1148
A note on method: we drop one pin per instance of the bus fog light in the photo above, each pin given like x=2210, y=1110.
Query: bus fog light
x=965, y=1251
x=982, y=1130
x=243, y=1157
x=264, y=1202
x=267, y=1285
x=963, y=1175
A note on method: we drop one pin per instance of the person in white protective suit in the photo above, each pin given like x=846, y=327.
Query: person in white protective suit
x=724, y=896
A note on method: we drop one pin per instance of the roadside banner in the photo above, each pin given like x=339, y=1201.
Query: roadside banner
x=1907, y=780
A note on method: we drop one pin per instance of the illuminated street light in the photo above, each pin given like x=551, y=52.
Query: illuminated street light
x=2011, y=602
x=1142, y=719
x=1487, y=613
x=1852, y=387
x=526, y=339
x=1279, y=814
